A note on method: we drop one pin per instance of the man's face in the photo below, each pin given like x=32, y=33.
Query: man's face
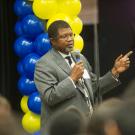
x=64, y=42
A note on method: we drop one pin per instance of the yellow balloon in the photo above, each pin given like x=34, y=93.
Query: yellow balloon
x=69, y=7
x=59, y=16
x=77, y=25
x=24, y=105
x=78, y=43
x=45, y=9
x=31, y=122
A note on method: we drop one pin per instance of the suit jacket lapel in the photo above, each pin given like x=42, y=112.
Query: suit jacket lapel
x=88, y=84
x=61, y=62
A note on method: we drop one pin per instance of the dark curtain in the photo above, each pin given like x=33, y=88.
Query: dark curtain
x=116, y=36
x=8, y=59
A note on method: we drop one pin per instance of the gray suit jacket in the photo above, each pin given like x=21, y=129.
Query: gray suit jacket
x=57, y=90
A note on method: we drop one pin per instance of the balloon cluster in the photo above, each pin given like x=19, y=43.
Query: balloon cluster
x=34, y=16
x=66, y=10
x=31, y=43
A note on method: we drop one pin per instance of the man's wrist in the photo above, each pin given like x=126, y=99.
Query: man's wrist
x=114, y=72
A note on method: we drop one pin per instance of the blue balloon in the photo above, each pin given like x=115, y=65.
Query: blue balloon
x=32, y=26
x=37, y=133
x=22, y=8
x=29, y=64
x=23, y=46
x=18, y=28
x=34, y=103
x=20, y=68
x=42, y=44
x=26, y=86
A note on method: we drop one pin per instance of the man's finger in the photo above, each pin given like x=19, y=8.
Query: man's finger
x=128, y=54
x=119, y=57
x=127, y=62
x=80, y=62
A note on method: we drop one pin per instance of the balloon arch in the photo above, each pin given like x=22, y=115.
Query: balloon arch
x=34, y=17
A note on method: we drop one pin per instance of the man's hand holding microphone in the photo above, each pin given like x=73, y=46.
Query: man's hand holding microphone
x=77, y=71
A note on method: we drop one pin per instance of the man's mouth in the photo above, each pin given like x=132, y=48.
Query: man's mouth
x=70, y=45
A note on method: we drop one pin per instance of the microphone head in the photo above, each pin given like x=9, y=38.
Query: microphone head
x=77, y=55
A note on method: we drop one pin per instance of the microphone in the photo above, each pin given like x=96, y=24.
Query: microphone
x=77, y=56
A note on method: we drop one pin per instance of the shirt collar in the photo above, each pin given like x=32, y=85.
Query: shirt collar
x=64, y=55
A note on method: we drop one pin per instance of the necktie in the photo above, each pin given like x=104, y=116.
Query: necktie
x=69, y=59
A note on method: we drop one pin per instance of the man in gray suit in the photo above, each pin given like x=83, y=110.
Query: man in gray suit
x=65, y=78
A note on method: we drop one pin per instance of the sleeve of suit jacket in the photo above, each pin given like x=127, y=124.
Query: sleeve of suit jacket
x=106, y=82
x=51, y=90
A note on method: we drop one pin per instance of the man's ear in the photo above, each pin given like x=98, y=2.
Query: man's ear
x=53, y=41
x=111, y=128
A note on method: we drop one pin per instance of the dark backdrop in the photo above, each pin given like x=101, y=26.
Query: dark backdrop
x=116, y=35
x=8, y=59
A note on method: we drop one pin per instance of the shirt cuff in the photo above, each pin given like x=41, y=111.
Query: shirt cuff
x=72, y=82
x=115, y=77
